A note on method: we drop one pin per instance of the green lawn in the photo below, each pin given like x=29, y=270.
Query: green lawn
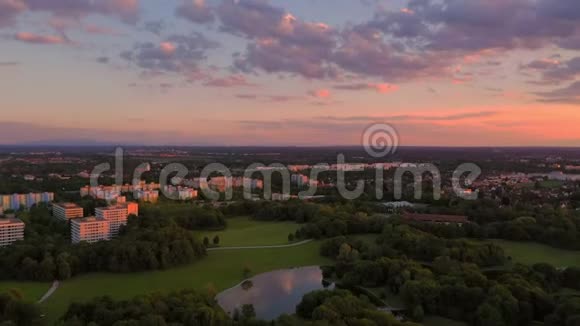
x=243, y=231
x=531, y=253
x=551, y=184
x=30, y=291
x=222, y=269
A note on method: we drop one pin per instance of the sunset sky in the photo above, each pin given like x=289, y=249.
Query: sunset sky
x=295, y=72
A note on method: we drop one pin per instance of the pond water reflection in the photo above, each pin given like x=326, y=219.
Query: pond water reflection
x=274, y=293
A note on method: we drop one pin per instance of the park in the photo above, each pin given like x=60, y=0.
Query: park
x=246, y=247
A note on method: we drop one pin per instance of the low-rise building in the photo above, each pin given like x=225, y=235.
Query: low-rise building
x=394, y=206
x=90, y=229
x=11, y=230
x=150, y=196
x=67, y=211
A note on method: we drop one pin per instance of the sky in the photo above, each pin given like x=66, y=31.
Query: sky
x=300, y=72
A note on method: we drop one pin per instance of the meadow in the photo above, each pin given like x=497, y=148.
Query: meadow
x=243, y=231
x=30, y=291
x=530, y=253
x=216, y=272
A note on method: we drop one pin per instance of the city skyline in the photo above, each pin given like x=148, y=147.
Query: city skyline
x=269, y=73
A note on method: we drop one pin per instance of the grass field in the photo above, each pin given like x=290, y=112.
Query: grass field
x=222, y=269
x=551, y=184
x=219, y=270
x=30, y=291
x=531, y=253
x=242, y=231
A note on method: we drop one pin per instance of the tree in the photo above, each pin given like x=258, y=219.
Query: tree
x=206, y=241
x=488, y=315
x=290, y=237
x=418, y=314
x=63, y=270
x=248, y=312
x=216, y=240
x=347, y=254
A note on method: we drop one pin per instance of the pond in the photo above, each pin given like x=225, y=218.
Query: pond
x=275, y=293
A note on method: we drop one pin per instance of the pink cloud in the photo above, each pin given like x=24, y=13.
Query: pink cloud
x=229, y=81
x=99, y=30
x=320, y=93
x=385, y=88
x=167, y=48
x=40, y=39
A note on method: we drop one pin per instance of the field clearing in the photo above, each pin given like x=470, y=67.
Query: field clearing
x=219, y=270
x=31, y=291
x=530, y=253
x=243, y=231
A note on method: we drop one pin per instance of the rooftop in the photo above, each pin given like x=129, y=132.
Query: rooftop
x=68, y=205
x=6, y=221
x=115, y=207
x=89, y=219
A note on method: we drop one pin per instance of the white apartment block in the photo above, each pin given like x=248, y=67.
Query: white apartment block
x=67, y=211
x=90, y=229
x=11, y=230
x=117, y=215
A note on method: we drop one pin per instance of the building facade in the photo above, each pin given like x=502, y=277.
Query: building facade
x=11, y=230
x=67, y=211
x=90, y=229
x=117, y=215
x=18, y=201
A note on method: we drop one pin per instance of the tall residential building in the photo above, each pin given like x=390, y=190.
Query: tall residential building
x=67, y=211
x=11, y=230
x=90, y=229
x=117, y=215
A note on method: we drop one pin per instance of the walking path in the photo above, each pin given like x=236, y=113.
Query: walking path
x=261, y=247
x=50, y=291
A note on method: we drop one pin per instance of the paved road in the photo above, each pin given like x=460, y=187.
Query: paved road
x=50, y=291
x=261, y=247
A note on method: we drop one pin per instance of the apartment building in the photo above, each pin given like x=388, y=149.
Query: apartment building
x=150, y=196
x=67, y=211
x=18, y=201
x=11, y=230
x=117, y=215
x=90, y=229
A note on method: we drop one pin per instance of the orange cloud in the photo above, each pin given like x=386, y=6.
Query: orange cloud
x=39, y=39
x=385, y=88
x=321, y=93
